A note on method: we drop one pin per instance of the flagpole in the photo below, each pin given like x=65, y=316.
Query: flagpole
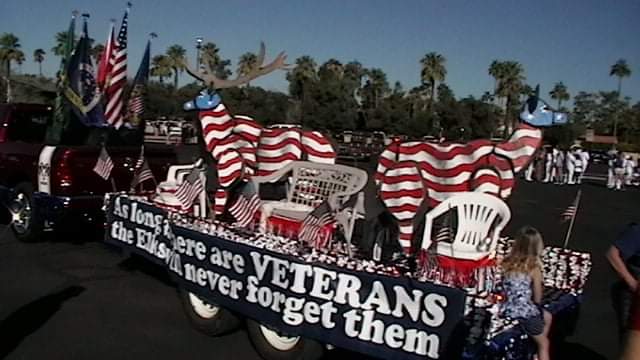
x=566, y=239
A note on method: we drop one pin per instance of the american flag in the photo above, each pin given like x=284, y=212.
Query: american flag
x=247, y=204
x=117, y=77
x=190, y=188
x=104, y=65
x=136, y=98
x=142, y=171
x=570, y=212
x=312, y=229
x=104, y=165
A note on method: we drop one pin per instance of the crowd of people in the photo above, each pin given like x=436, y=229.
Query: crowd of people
x=558, y=166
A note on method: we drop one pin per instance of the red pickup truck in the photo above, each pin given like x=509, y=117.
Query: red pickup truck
x=47, y=186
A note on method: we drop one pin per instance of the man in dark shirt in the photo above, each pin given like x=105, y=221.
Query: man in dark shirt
x=624, y=256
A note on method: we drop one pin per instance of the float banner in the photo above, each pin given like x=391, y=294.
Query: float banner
x=386, y=317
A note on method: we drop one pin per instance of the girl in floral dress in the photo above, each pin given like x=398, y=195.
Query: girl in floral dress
x=522, y=283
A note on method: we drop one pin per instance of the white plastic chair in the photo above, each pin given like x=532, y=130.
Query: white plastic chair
x=165, y=191
x=310, y=185
x=481, y=219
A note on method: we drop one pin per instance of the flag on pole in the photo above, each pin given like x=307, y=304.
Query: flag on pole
x=246, y=206
x=82, y=90
x=570, y=214
x=136, y=98
x=190, y=188
x=570, y=211
x=104, y=66
x=311, y=229
x=54, y=132
x=117, y=77
x=104, y=165
x=142, y=171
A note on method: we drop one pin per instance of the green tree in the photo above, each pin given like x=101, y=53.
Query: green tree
x=38, y=56
x=433, y=70
x=212, y=61
x=161, y=67
x=375, y=88
x=10, y=51
x=247, y=63
x=496, y=69
x=61, y=41
x=620, y=70
x=176, y=57
x=509, y=88
x=559, y=93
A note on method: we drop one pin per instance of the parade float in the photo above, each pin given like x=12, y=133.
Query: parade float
x=292, y=266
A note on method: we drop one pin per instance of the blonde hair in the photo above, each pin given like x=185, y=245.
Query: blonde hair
x=525, y=252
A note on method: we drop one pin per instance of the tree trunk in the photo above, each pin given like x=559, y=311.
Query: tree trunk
x=40, y=68
x=175, y=78
x=8, y=62
x=507, y=123
x=619, y=86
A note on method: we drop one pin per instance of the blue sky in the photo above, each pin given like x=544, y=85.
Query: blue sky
x=574, y=41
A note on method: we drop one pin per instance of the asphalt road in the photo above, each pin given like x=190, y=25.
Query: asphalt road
x=76, y=298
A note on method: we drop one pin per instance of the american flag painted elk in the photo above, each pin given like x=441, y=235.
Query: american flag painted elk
x=450, y=168
x=241, y=146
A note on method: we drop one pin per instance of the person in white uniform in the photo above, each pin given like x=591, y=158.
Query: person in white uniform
x=548, y=165
x=571, y=162
x=585, y=162
x=629, y=165
x=578, y=167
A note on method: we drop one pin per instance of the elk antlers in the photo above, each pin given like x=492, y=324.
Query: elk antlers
x=214, y=82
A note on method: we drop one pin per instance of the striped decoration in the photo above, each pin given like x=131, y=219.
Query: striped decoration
x=230, y=166
x=220, y=201
x=318, y=148
x=402, y=191
x=277, y=148
x=447, y=169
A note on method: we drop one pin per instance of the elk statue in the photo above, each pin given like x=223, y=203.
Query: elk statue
x=411, y=172
x=242, y=147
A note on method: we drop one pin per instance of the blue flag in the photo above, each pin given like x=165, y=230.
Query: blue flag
x=82, y=90
x=136, y=98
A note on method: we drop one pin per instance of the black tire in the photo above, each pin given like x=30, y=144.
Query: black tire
x=30, y=227
x=220, y=321
x=303, y=349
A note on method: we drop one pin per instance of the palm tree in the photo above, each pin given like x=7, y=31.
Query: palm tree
x=510, y=87
x=301, y=76
x=377, y=86
x=161, y=67
x=621, y=70
x=210, y=55
x=38, y=56
x=246, y=64
x=10, y=50
x=433, y=70
x=560, y=93
x=496, y=69
x=61, y=41
x=176, y=58
x=332, y=68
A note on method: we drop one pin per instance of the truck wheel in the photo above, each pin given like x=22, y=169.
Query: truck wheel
x=208, y=318
x=24, y=222
x=272, y=345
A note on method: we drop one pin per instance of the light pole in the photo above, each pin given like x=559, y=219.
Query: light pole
x=198, y=47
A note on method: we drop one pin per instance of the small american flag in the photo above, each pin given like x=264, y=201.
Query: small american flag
x=104, y=165
x=247, y=204
x=142, y=174
x=570, y=212
x=190, y=188
x=311, y=230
